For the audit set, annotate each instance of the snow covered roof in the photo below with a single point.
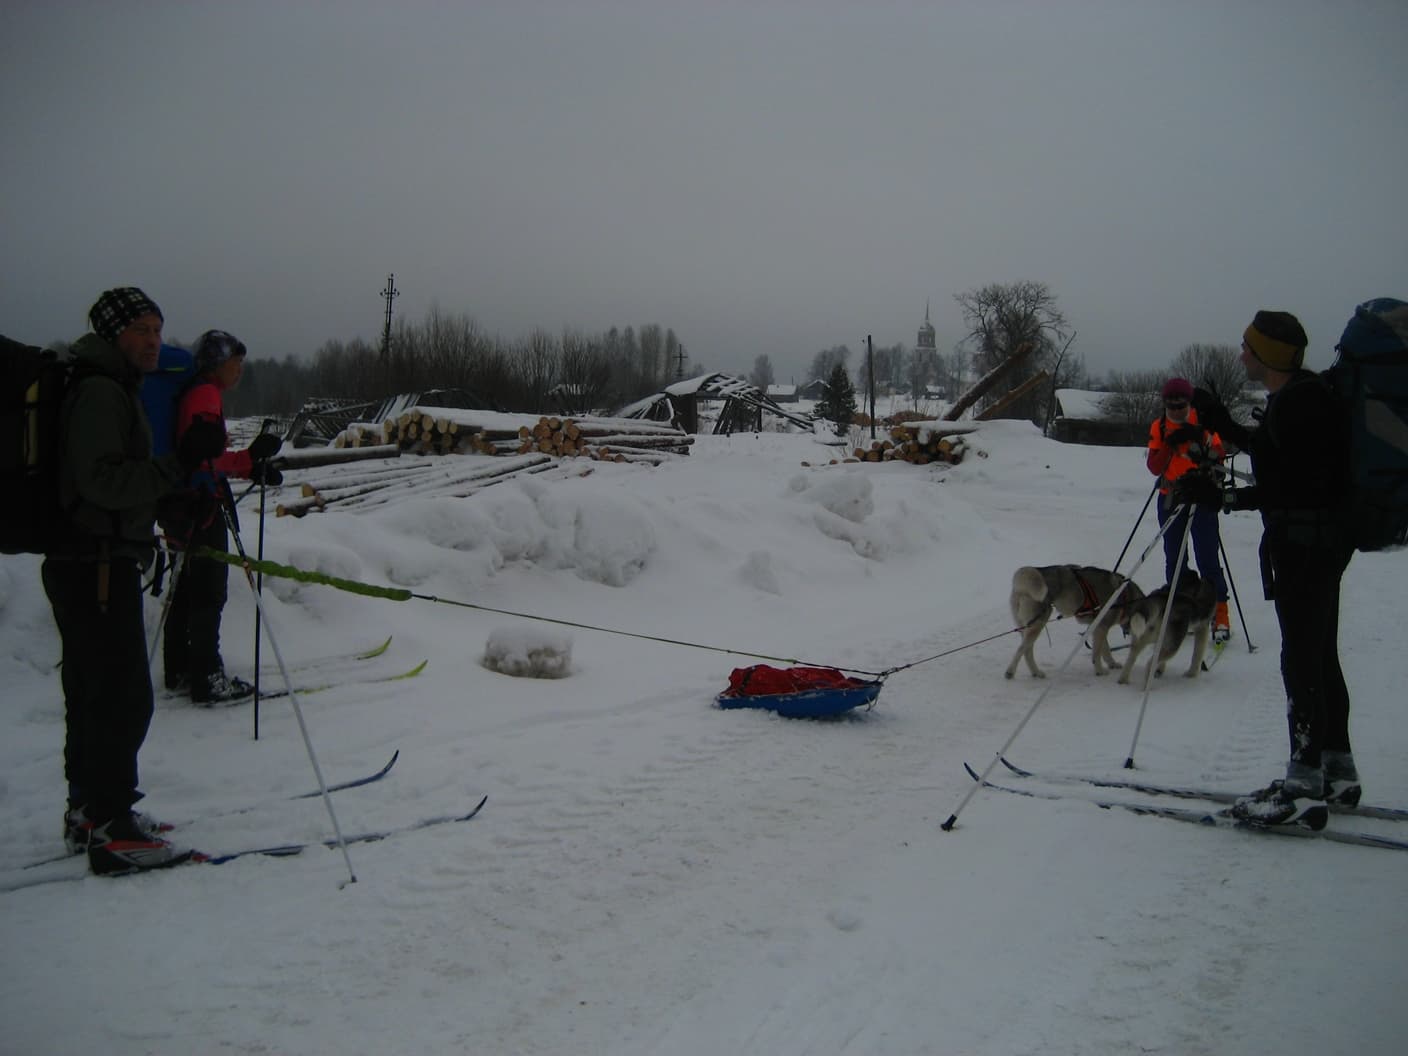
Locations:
(1082, 404)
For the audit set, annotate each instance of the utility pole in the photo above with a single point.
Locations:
(390, 293)
(870, 367)
(679, 364)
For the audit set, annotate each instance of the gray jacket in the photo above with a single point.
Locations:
(108, 481)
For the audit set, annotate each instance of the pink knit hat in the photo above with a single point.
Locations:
(1178, 389)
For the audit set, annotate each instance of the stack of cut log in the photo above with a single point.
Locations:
(604, 439)
(437, 432)
(427, 434)
(350, 487)
(920, 443)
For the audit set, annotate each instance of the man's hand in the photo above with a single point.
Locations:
(263, 473)
(1184, 434)
(264, 447)
(1197, 489)
(202, 441)
(1212, 412)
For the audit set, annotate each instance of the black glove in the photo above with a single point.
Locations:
(263, 473)
(203, 441)
(1197, 489)
(1185, 433)
(1213, 413)
(265, 446)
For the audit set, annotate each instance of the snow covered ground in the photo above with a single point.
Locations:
(655, 875)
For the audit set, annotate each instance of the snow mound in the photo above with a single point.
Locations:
(525, 653)
(602, 538)
(847, 495)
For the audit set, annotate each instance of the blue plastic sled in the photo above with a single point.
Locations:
(806, 704)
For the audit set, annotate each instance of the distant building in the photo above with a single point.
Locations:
(1085, 417)
(926, 334)
(782, 393)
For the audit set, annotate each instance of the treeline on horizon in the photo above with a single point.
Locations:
(576, 372)
(540, 373)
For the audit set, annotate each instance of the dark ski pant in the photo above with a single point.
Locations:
(191, 639)
(1306, 591)
(1204, 543)
(107, 686)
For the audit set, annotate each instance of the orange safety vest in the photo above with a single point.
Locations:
(1174, 458)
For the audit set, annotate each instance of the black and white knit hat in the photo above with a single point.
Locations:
(214, 347)
(117, 309)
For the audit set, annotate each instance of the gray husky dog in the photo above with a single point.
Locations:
(1071, 590)
(1191, 608)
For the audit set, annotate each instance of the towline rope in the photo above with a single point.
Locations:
(371, 590)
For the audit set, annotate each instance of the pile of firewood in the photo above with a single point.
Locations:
(606, 439)
(920, 443)
(437, 431)
(418, 432)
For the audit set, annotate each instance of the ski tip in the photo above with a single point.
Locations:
(948, 825)
(1014, 767)
(376, 650)
(973, 773)
(417, 669)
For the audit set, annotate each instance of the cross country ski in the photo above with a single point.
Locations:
(1212, 818)
(75, 867)
(1361, 810)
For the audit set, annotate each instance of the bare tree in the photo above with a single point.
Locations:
(1001, 317)
(586, 373)
(889, 369)
(1217, 368)
(536, 365)
(653, 367)
(825, 361)
(762, 374)
(1134, 398)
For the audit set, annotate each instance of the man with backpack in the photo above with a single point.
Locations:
(108, 486)
(191, 639)
(1300, 456)
(1179, 444)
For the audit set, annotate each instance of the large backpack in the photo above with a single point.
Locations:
(161, 392)
(32, 384)
(1371, 376)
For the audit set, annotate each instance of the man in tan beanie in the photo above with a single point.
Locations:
(1299, 454)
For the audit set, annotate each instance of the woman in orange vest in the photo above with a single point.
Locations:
(1177, 443)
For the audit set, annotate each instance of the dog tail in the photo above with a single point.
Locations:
(1028, 595)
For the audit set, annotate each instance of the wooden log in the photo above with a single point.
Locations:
(987, 381)
(305, 457)
(298, 507)
(1041, 377)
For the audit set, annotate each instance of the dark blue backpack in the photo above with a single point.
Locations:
(1371, 376)
(161, 392)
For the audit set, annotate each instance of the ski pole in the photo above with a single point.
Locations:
(1232, 585)
(292, 696)
(948, 825)
(1140, 520)
(1231, 475)
(1178, 566)
(177, 567)
(258, 613)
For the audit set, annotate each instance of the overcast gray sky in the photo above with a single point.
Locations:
(763, 177)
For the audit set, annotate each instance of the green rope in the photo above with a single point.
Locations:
(272, 568)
